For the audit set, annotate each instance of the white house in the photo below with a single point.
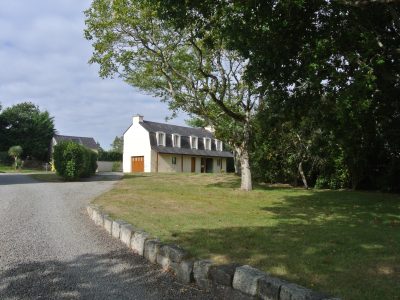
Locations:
(158, 147)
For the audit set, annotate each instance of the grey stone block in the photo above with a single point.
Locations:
(163, 261)
(174, 253)
(246, 279)
(183, 271)
(126, 232)
(137, 241)
(291, 291)
(116, 228)
(95, 212)
(108, 224)
(223, 274)
(269, 287)
(89, 210)
(201, 270)
(98, 217)
(151, 249)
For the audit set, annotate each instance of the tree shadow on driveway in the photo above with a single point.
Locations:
(114, 275)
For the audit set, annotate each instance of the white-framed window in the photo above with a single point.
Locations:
(194, 142)
(160, 138)
(176, 140)
(207, 144)
(218, 145)
(174, 160)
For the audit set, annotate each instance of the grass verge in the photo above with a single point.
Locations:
(47, 177)
(11, 169)
(341, 242)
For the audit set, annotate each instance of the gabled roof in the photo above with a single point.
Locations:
(181, 130)
(88, 142)
(185, 133)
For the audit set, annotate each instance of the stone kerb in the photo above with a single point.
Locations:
(137, 241)
(235, 279)
(116, 228)
(126, 232)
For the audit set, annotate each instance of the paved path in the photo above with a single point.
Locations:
(49, 249)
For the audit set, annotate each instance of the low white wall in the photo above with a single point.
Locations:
(104, 166)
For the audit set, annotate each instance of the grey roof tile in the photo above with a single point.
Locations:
(185, 133)
(88, 142)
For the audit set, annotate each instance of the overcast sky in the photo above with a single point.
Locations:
(43, 59)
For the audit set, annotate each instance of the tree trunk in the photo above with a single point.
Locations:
(303, 177)
(236, 161)
(245, 184)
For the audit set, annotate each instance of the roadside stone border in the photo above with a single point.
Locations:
(237, 281)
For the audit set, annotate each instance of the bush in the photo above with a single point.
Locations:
(73, 161)
(117, 166)
(109, 156)
(5, 159)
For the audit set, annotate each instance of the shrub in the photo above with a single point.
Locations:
(5, 159)
(109, 156)
(73, 161)
(117, 166)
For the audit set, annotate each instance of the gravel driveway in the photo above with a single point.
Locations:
(49, 249)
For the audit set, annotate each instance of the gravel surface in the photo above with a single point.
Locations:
(50, 249)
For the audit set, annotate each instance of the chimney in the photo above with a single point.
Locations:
(137, 119)
(210, 128)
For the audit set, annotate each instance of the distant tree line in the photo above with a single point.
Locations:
(25, 125)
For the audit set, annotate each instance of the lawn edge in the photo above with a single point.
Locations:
(233, 278)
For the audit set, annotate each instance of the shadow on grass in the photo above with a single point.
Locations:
(233, 182)
(113, 275)
(343, 243)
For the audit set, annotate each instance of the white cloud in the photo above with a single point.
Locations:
(43, 59)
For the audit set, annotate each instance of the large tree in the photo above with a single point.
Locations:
(336, 63)
(25, 125)
(191, 67)
(118, 144)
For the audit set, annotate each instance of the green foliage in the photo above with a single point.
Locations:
(5, 158)
(338, 71)
(117, 166)
(118, 144)
(16, 152)
(189, 67)
(24, 124)
(110, 155)
(73, 161)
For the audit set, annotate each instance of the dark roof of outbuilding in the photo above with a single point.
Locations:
(185, 133)
(88, 142)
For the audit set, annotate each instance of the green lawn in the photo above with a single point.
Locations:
(341, 242)
(11, 169)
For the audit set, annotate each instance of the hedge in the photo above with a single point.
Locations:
(73, 161)
(5, 159)
(110, 156)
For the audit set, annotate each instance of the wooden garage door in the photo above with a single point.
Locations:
(137, 164)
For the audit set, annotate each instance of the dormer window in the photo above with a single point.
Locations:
(193, 142)
(176, 140)
(218, 145)
(207, 144)
(160, 138)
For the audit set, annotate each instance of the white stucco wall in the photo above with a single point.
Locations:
(165, 163)
(136, 143)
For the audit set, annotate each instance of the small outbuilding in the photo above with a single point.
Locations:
(88, 142)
